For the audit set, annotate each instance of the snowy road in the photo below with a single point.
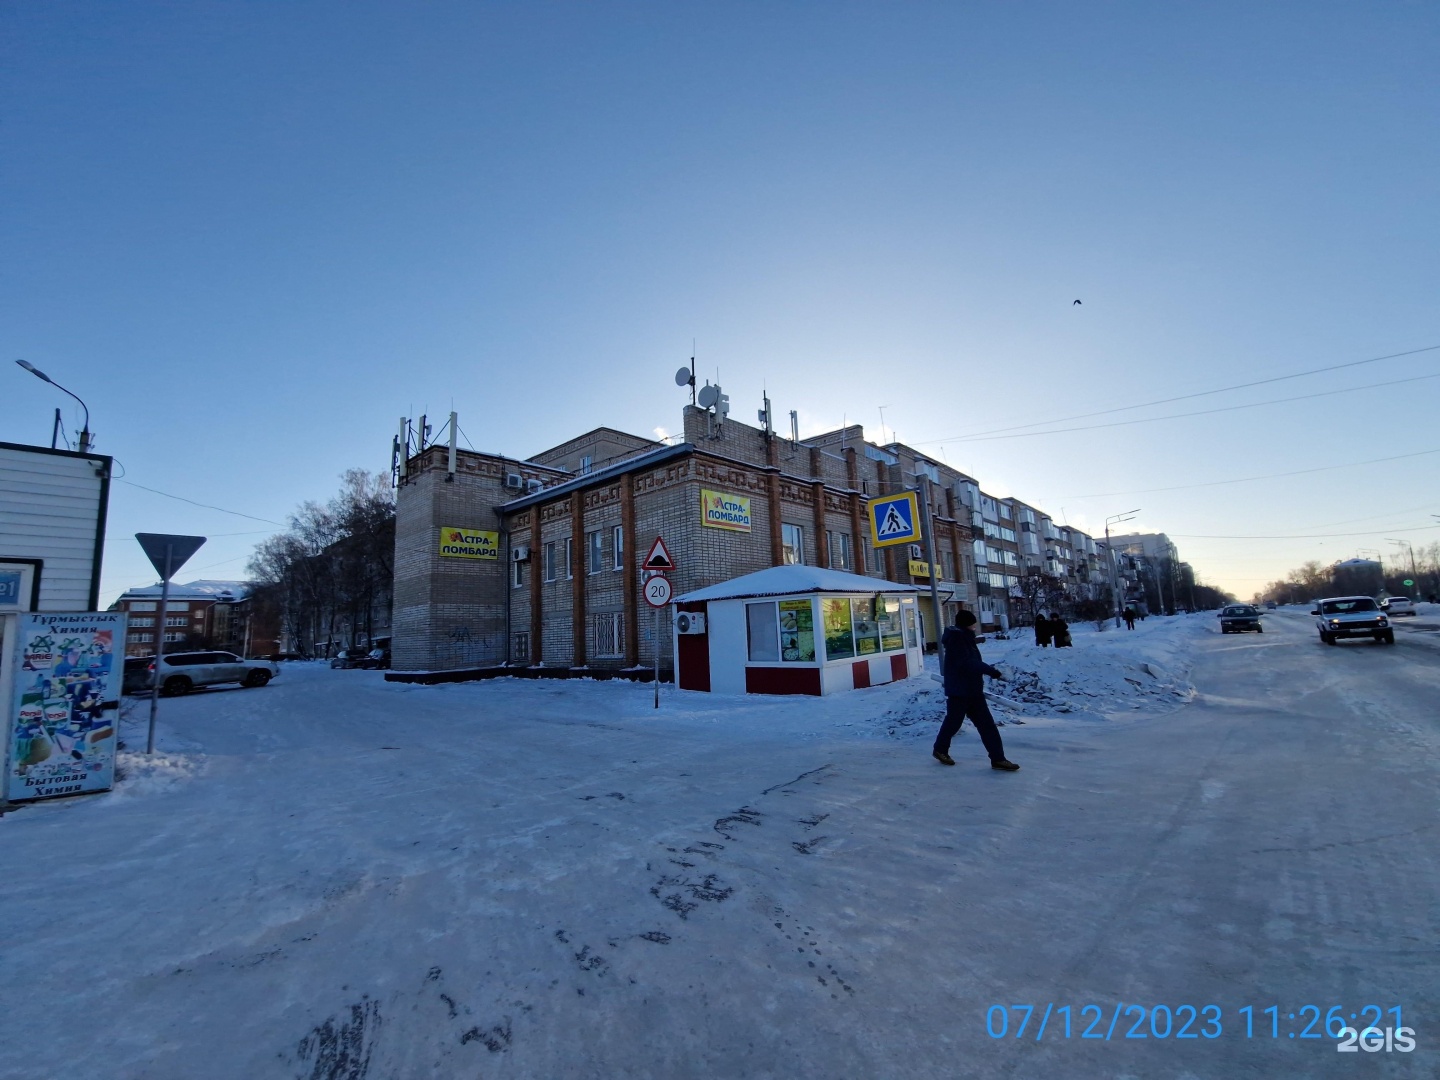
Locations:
(335, 877)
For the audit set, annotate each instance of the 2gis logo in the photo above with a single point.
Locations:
(1373, 1039)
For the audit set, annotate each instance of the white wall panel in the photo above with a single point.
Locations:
(52, 507)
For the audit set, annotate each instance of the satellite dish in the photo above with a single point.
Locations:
(709, 395)
(683, 377)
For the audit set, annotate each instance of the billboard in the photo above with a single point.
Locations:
(722, 510)
(64, 709)
(456, 543)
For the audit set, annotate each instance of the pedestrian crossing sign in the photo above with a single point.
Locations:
(895, 519)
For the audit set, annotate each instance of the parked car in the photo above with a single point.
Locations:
(1351, 616)
(179, 673)
(1398, 605)
(1237, 618)
(1269, 605)
(347, 658)
(376, 658)
(137, 676)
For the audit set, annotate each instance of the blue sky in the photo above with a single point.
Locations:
(252, 236)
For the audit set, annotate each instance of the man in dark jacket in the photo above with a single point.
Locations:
(1044, 630)
(965, 675)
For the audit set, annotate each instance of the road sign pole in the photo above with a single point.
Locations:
(658, 627)
(160, 645)
(929, 536)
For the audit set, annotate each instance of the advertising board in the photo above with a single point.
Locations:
(63, 711)
(456, 543)
(722, 510)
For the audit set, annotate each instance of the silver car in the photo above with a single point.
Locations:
(179, 673)
(1351, 616)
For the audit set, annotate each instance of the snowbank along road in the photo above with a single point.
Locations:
(336, 878)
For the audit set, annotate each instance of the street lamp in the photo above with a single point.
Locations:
(1414, 574)
(85, 431)
(1110, 552)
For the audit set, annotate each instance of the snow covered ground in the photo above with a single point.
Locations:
(336, 878)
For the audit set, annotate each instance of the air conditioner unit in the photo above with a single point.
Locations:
(514, 481)
(519, 554)
(533, 485)
(916, 552)
(690, 622)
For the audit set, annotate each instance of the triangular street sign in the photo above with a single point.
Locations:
(659, 557)
(178, 549)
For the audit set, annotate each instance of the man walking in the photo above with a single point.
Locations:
(965, 675)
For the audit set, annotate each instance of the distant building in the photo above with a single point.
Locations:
(200, 615)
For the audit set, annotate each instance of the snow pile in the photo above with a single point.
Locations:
(139, 773)
(1102, 676)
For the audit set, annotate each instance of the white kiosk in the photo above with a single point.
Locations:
(797, 630)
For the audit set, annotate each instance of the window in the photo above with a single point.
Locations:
(143, 620)
(1005, 511)
(839, 544)
(569, 556)
(609, 638)
(595, 544)
(792, 544)
(1007, 534)
(520, 648)
(1010, 559)
(550, 566)
(142, 605)
(867, 633)
(947, 563)
(517, 573)
(762, 630)
(887, 611)
(879, 555)
(617, 546)
(176, 620)
(142, 639)
(839, 628)
(171, 636)
(586, 464)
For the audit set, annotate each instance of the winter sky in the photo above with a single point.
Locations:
(252, 236)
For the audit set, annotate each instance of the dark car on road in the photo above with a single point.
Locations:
(1237, 618)
(137, 676)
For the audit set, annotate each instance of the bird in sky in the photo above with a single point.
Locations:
(1077, 301)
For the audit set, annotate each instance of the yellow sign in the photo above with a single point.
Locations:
(468, 543)
(921, 568)
(721, 510)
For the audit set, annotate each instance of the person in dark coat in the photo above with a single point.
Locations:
(965, 675)
(1061, 629)
(1044, 630)
(1129, 618)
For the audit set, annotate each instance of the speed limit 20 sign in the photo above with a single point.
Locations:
(657, 591)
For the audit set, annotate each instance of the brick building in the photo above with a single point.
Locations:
(537, 561)
(200, 615)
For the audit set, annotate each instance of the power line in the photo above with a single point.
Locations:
(1198, 412)
(1187, 397)
(192, 502)
(1248, 479)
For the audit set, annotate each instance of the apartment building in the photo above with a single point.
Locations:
(201, 615)
(538, 561)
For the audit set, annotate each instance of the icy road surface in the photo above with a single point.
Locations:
(339, 878)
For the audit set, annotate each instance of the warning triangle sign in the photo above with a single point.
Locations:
(894, 523)
(659, 557)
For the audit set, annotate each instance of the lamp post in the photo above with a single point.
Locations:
(1414, 574)
(85, 431)
(1110, 555)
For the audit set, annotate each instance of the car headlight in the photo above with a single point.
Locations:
(1383, 621)
(1334, 622)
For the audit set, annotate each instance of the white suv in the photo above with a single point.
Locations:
(1351, 616)
(179, 673)
(1398, 605)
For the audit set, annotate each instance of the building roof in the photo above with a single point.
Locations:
(204, 589)
(640, 460)
(785, 580)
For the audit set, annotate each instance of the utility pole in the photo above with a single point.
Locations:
(922, 482)
(1110, 553)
